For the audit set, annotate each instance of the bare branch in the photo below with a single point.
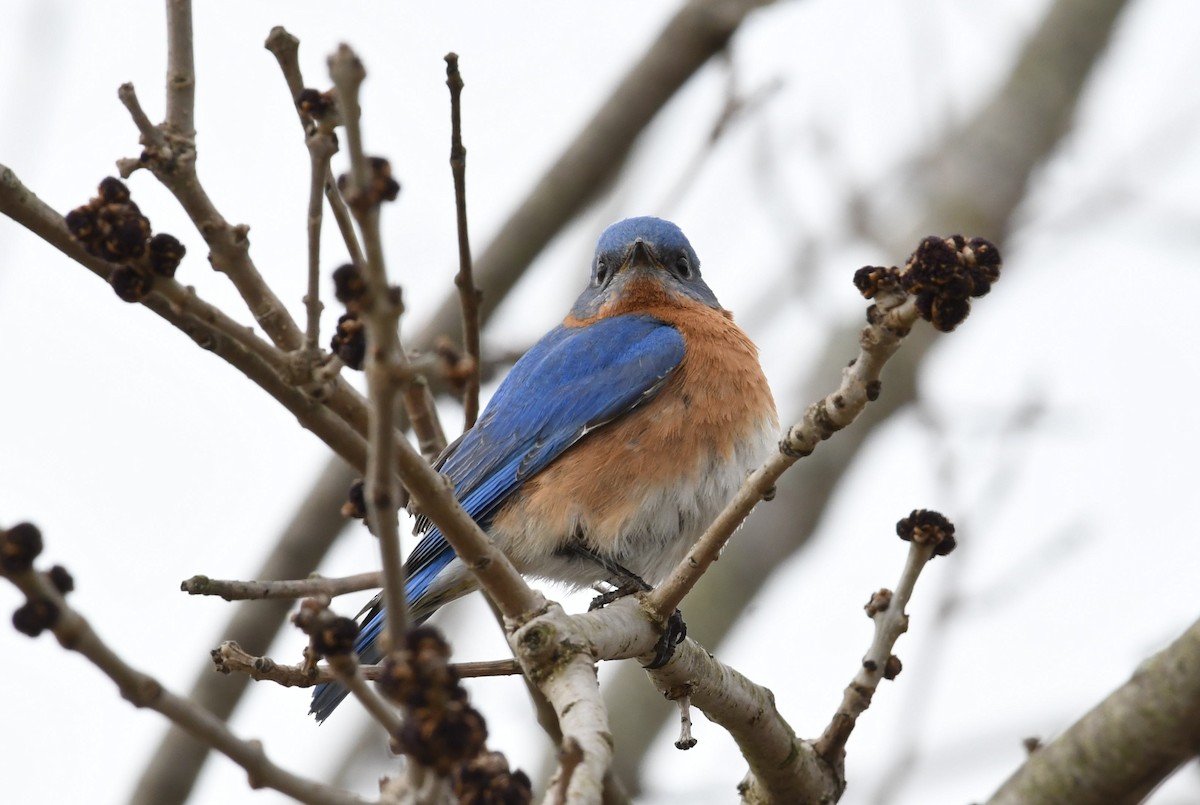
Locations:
(337, 422)
(321, 148)
(1126, 745)
(74, 633)
(464, 280)
(383, 348)
(886, 609)
(170, 773)
(333, 637)
(286, 49)
(231, 658)
(301, 588)
(171, 155)
(181, 71)
(553, 653)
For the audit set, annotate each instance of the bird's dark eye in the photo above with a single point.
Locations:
(683, 267)
(601, 271)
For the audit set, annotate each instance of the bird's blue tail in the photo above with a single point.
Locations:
(328, 695)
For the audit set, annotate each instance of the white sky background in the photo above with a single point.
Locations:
(145, 460)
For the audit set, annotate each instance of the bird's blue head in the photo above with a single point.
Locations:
(643, 247)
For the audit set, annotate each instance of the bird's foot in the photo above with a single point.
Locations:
(604, 599)
(672, 636)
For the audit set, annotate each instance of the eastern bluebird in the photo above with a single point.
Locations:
(611, 444)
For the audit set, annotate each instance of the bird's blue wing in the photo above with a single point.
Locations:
(571, 382)
(574, 380)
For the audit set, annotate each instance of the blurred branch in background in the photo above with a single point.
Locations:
(1000, 146)
(1126, 745)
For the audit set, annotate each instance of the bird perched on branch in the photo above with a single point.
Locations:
(611, 444)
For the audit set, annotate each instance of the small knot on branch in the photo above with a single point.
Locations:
(879, 602)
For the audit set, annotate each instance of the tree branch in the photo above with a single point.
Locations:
(1127, 744)
(76, 634)
(383, 348)
(301, 588)
(464, 280)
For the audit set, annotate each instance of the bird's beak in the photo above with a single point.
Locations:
(640, 254)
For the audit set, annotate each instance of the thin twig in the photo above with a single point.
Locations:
(171, 156)
(301, 588)
(339, 422)
(685, 741)
(286, 49)
(348, 672)
(886, 609)
(464, 280)
(332, 636)
(231, 658)
(150, 133)
(141, 690)
(181, 71)
(381, 316)
(321, 148)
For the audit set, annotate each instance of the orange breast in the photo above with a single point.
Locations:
(681, 455)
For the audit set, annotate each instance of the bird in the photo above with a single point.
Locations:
(611, 444)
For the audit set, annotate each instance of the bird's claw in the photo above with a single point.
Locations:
(672, 636)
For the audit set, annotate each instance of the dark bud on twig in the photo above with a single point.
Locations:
(113, 191)
(879, 602)
(356, 502)
(130, 284)
(165, 254)
(111, 227)
(871, 280)
(944, 274)
(349, 341)
(348, 284)
(123, 230)
(422, 675)
(383, 185)
(892, 668)
(19, 546)
(927, 527)
(335, 636)
(81, 223)
(34, 617)
(486, 779)
(380, 187)
(443, 738)
(61, 579)
(314, 103)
